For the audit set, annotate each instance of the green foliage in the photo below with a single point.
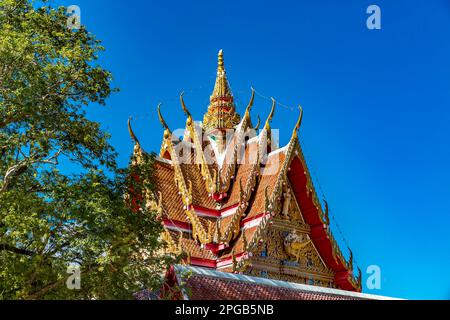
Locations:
(50, 220)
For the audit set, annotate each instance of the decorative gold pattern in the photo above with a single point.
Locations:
(137, 150)
(229, 168)
(211, 185)
(290, 254)
(198, 230)
(294, 245)
(234, 227)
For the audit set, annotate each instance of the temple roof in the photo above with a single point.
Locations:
(216, 205)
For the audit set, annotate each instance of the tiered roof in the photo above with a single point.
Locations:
(221, 186)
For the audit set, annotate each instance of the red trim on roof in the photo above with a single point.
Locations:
(319, 234)
(213, 212)
(215, 247)
(245, 222)
(177, 224)
(203, 262)
(229, 260)
(170, 287)
(209, 263)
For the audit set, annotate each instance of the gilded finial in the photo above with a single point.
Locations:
(250, 104)
(258, 124)
(269, 118)
(299, 121)
(161, 119)
(183, 105)
(350, 259)
(167, 131)
(220, 61)
(130, 131)
(359, 278)
(327, 217)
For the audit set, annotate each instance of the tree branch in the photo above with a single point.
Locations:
(7, 247)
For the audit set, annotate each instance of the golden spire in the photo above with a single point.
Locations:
(220, 66)
(221, 112)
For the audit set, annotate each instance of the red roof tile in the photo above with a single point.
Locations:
(206, 284)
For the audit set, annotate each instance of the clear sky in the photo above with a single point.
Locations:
(376, 129)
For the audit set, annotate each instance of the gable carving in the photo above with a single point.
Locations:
(290, 252)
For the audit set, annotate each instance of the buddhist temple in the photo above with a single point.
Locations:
(234, 202)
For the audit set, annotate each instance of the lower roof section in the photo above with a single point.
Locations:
(207, 284)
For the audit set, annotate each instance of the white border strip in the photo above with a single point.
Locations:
(174, 227)
(225, 213)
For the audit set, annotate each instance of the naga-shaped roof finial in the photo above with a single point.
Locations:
(326, 214)
(185, 109)
(183, 105)
(299, 122)
(167, 131)
(270, 117)
(130, 131)
(257, 124)
(350, 259)
(250, 104)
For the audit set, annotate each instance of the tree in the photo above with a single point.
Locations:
(50, 220)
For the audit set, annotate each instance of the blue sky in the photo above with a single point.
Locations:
(376, 129)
